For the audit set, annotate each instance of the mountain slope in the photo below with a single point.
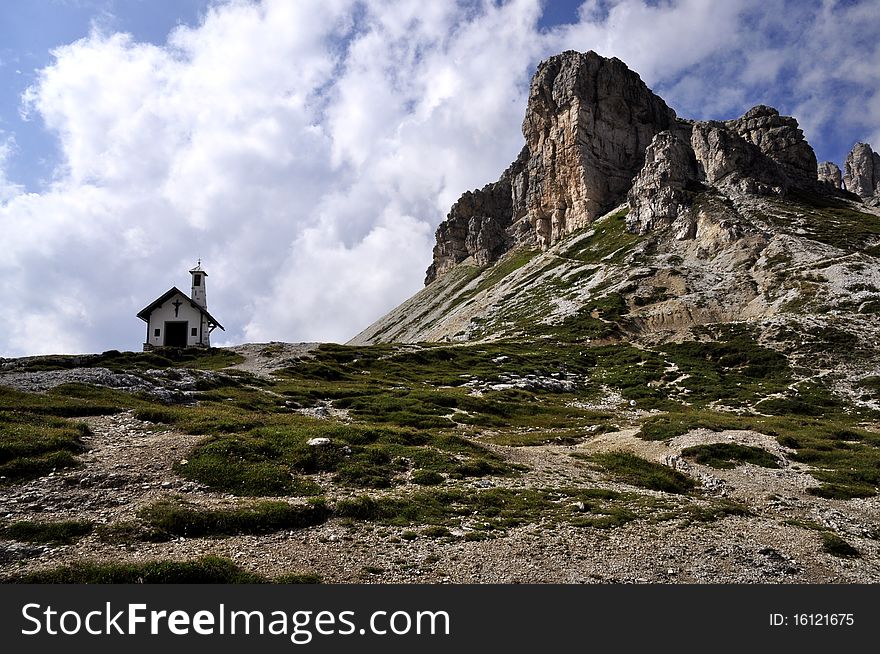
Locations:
(720, 222)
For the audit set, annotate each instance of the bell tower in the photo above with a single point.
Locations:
(198, 286)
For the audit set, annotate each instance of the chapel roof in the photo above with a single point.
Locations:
(144, 314)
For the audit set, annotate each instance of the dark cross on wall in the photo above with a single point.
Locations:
(177, 304)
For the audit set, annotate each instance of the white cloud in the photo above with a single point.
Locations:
(657, 40)
(307, 150)
(8, 189)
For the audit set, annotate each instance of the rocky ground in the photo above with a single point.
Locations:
(263, 358)
(128, 465)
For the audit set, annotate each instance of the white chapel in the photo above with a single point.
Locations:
(175, 320)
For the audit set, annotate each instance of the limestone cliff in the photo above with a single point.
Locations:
(761, 153)
(588, 123)
(595, 135)
(862, 173)
(829, 173)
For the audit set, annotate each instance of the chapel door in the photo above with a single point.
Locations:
(175, 333)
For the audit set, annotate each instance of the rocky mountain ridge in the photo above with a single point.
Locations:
(590, 126)
(678, 223)
(587, 125)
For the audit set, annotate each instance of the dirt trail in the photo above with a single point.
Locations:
(264, 358)
(128, 464)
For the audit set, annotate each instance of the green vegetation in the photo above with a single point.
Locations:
(845, 458)
(276, 459)
(32, 445)
(418, 421)
(598, 319)
(714, 511)
(490, 512)
(436, 531)
(607, 241)
(828, 220)
(507, 265)
(836, 546)
(634, 470)
(529, 436)
(734, 369)
(65, 401)
(414, 412)
(163, 357)
(175, 517)
(728, 455)
(53, 533)
(205, 570)
(427, 478)
(670, 425)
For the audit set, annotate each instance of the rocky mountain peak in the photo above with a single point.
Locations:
(862, 173)
(596, 136)
(829, 173)
(761, 153)
(588, 123)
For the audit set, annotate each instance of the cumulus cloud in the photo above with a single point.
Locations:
(8, 189)
(307, 150)
(818, 61)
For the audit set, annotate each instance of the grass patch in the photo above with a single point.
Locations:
(493, 275)
(205, 570)
(32, 445)
(164, 357)
(178, 518)
(835, 546)
(728, 455)
(436, 531)
(716, 510)
(529, 437)
(276, 459)
(53, 533)
(635, 470)
(667, 426)
(485, 513)
(597, 319)
(828, 220)
(69, 401)
(845, 459)
(735, 368)
(427, 478)
(607, 241)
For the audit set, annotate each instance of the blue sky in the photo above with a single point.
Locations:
(307, 150)
(31, 29)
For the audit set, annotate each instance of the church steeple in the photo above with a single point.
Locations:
(198, 286)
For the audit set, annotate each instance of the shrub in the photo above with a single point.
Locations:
(436, 531)
(427, 478)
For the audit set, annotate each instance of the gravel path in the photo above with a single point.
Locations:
(264, 358)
